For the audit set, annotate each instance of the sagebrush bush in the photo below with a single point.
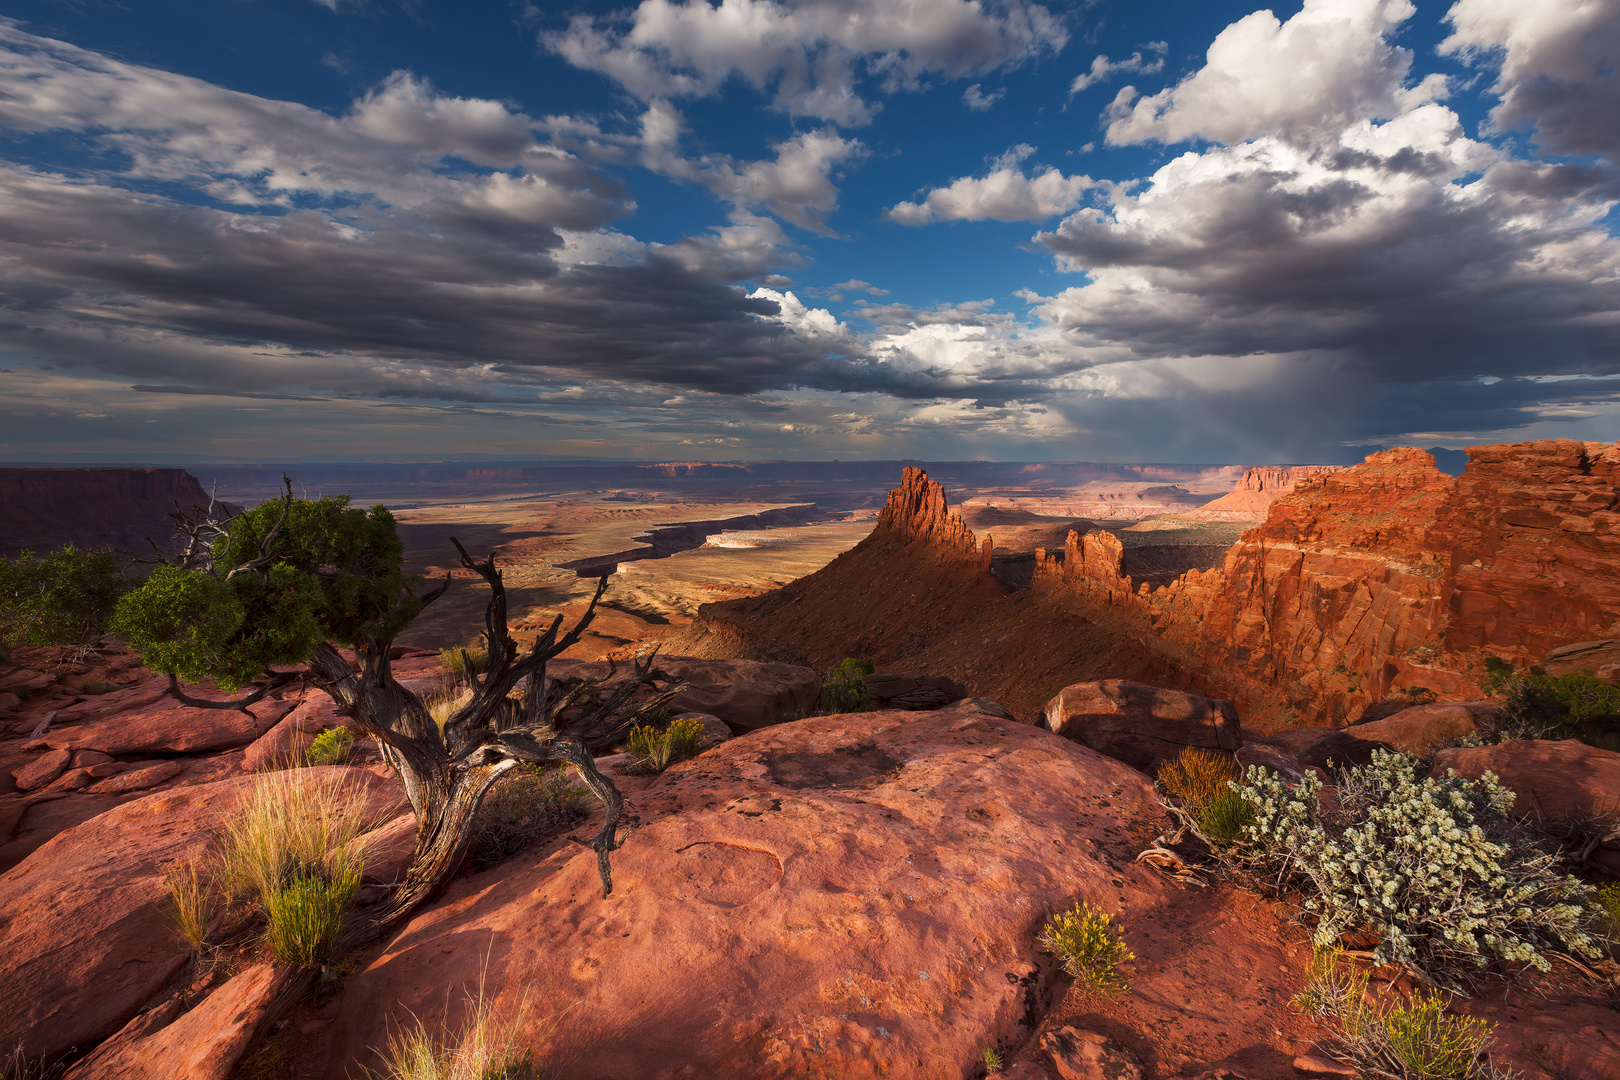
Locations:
(1436, 868)
(656, 750)
(845, 690)
(1086, 940)
(526, 805)
(330, 747)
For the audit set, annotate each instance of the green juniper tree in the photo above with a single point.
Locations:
(273, 594)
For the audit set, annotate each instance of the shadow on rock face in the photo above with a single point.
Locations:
(862, 765)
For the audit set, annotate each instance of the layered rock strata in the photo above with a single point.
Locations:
(1251, 497)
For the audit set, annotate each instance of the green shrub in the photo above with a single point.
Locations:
(65, 598)
(845, 690)
(656, 750)
(526, 805)
(1225, 817)
(330, 747)
(305, 915)
(1085, 939)
(1437, 869)
(993, 1060)
(1547, 707)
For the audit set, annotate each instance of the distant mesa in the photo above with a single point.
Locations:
(42, 509)
(1252, 496)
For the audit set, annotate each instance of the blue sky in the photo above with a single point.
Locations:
(283, 230)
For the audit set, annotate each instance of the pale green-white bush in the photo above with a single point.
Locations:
(1436, 868)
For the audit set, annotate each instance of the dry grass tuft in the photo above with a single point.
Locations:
(191, 904)
(485, 1049)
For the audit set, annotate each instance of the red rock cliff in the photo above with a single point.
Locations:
(1366, 581)
(43, 509)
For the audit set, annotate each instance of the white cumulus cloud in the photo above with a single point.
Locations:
(1005, 193)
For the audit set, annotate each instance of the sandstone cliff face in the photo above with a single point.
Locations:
(43, 509)
(1251, 497)
(1391, 574)
(1534, 557)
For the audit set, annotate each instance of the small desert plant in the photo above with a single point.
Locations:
(1331, 987)
(656, 750)
(845, 690)
(1202, 779)
(1437, 868)
(484, 1049)
(191, 904)
(330, 747)
(461, 661)
(1085, 939)
(1606, 901)
(993, 1061)
(530, 803)
(305, 915)
(1419, 1041)
(289, 823)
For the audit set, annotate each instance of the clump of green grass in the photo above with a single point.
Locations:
(526, 805)
(305, 915)
(330, 747)
(656, 750)
(993, 1061)
(845, 690)
(191, 905)
(1088, 943)
(1203, 780)
(461, 661)
(486, 1048)
(291, 850)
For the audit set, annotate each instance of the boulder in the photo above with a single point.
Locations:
(905, 692)
(9, 702)
(1141, 725)
(203, 1044)
(174, 729)
(1601, 658)
(1294, 750)
(1423, 729)
(85, 947)
(1553, 781)
(388, 850)
(861, 892)
(284, 744)
(42, 770)
(746, 694)
(139, 696)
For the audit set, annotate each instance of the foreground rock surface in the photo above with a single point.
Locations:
(861, 892)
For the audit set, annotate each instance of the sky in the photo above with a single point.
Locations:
(1100, 230)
